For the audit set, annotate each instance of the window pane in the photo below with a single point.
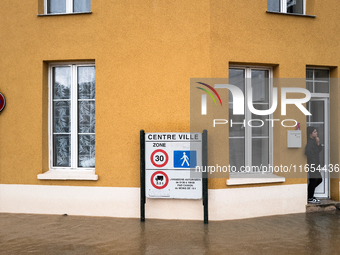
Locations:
(309, 86)
(236, 152)
(321, 75)
(236, 77)
(320, 78)
(62, 150)
(273, 5)
(61, 82)
(86, 117)
(81, 5)
(317, 110)
(86, 148)
(256, 129)
(86, 82)
(237, 129)
(56, 6)
(295, 6)
(62, 117)
(309, 74)
(260, 152)
(260, 86)
(321, 87)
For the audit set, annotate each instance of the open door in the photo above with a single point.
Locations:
(319, 108)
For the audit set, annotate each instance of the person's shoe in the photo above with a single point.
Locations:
(313, 201)
(318, 200)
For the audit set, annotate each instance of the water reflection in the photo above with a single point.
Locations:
(315, 233)
(323, 233)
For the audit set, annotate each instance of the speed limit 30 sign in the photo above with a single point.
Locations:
(159, 158)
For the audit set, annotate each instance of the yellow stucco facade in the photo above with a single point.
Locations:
(145, 53)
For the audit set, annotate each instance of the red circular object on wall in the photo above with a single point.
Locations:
(2, 102)
(166, 180)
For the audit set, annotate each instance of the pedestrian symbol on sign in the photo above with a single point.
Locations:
(184, 159)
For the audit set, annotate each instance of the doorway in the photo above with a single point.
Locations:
(319, 108)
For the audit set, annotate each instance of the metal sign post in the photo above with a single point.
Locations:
(205, 174)
(142, 175)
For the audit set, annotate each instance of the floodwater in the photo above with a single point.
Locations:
(313, 233)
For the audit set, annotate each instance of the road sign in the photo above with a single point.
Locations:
(170, 164)
(159, 180)
(167, 167)
(2, 102)
(184, 159)
(159, 158)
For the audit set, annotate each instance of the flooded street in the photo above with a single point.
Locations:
(313, 233)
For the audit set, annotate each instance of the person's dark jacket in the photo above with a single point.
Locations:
(312, 152)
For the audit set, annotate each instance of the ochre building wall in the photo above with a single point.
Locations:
(145, 53)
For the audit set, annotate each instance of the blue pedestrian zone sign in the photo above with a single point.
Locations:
(185, 159)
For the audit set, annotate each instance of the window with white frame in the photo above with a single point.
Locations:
(287, 6)
(250, 136)
(67, 6)
(72, 116)
(317, 80)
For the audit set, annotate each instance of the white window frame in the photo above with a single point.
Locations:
(69, 7)
(253, 178)
(314, 94)
(74, 172)
(283, 7)
(324, 97)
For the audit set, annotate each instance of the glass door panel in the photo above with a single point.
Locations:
(318, 107)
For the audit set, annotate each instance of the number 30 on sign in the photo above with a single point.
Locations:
(159, 158)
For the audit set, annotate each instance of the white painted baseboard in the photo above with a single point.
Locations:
(224, 204)
(242, 203)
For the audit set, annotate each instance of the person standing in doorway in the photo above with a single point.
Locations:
(312, 151)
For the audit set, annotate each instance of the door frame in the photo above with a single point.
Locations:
(326, 148)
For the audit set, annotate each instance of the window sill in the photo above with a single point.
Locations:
(244, 179)
(62, 14)
(81, 175)
(292, 14)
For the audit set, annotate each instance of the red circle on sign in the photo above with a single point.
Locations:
(166, 158)
(166, 179)
(2, 102)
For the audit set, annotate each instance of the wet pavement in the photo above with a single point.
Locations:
(312, 233)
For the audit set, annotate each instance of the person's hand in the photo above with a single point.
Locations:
(317, 140)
